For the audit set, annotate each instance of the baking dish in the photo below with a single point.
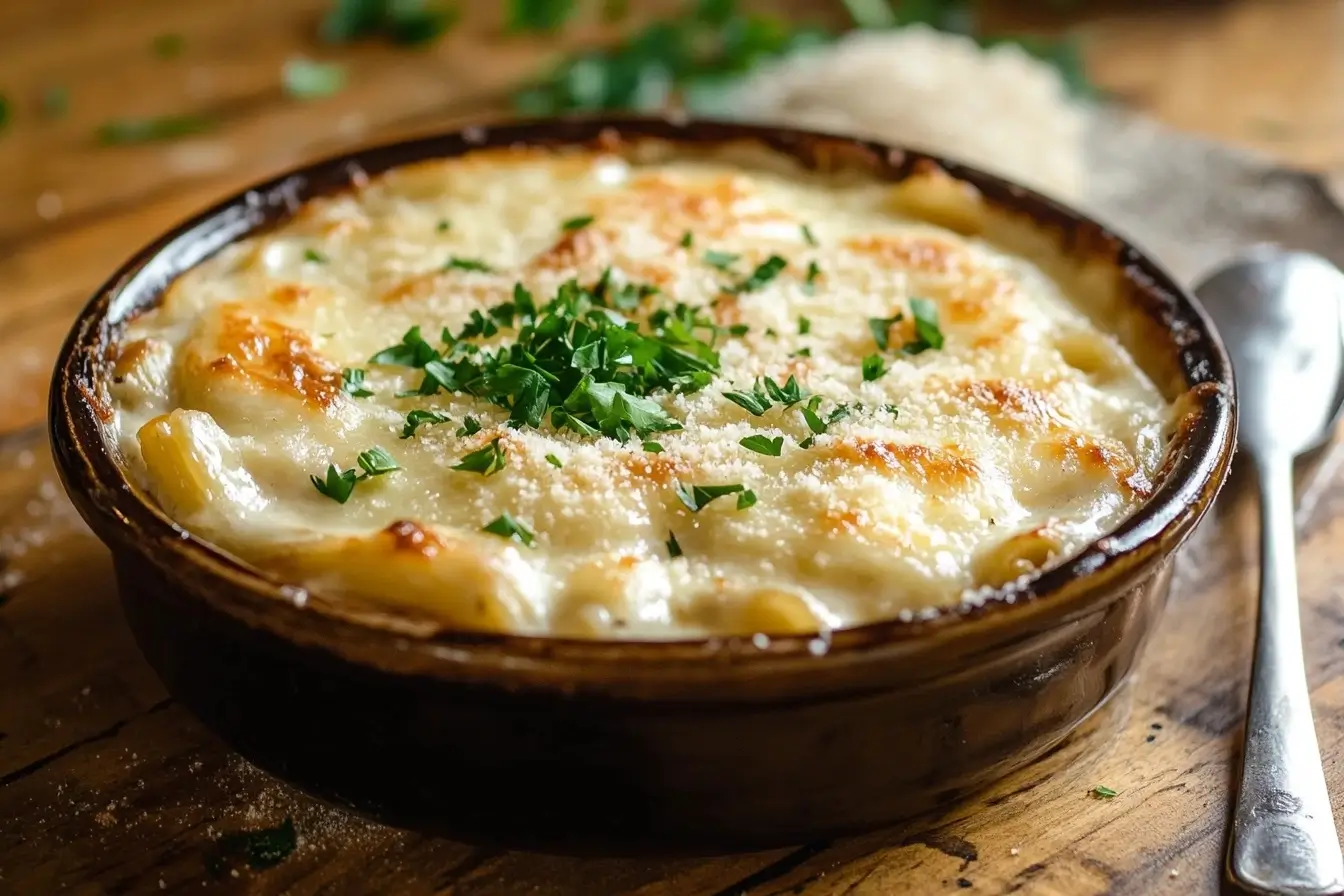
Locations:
(617, 746)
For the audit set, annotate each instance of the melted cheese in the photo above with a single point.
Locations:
(1028, 434)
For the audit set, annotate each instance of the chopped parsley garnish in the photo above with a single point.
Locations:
(687, 240)
(1103, 792)
(352, 383)
(753, 402)
(804, 326)
(720, 260)
(577, 362)
(810, 281)
(673, 548)
(314, 256)
(804, 352)
(167, 46)
(739, 330)
(376, 462)
(470, 426)
(880, 327)
(305, 79)
(443, 226)
(759, 399)
(892, 410)
(770, 331)
(764, 445)
(873, 368)
(487, 461)
(653, 447)
(696, 497)
(4, 111)
(400, 21)
(927, 332)
(746, 499)
(418, 418)
(467, 264)
(815, 422)
(554, 461)
(412, 351)
(126, 131)
(260, 850)
(508, 527)
(808, 236)
(340, 484)
(764, 273)
(538, 15)
(577, 223)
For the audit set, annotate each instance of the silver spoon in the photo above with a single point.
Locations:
(1279, 313)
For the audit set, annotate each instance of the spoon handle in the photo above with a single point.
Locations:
(1283, 834)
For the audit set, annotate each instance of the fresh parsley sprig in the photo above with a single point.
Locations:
(340, 484)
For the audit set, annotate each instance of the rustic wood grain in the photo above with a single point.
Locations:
(106, 786)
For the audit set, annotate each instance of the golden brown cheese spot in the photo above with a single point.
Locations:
(922, 254)
(419, 287)
(576, 249)
(1099, 456)
(837, 521)
(272, 356)
(289, 295)
(939, 466)
(653, 469)
(129, 356)
(712, 208)
(409, 537)
(1012, 404)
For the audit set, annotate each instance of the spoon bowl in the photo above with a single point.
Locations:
(1279, 314)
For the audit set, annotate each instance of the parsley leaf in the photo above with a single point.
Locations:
(412, 351)
(467, 264)
(808, 236)
(338, 485)
(400, 21)
(696, 497)
(752, 402)
(314, 256)
(470, 426)
(673, 548)
(577, 223)
(1103, 792)
(739, 330)
(764, 273)
(418, 418)
(764, 445)
(880, 327)
(487, 461)
(376, 462)
(554, 461)
(746, 499)
(653, 447)
(352, 383)
(687, 240)
(789, 394)
(720, 260)
(538, 15)
(892, 410)
(927, 332)
(804, 326)
(261, 849)
(814, 420)
(127, 131)
(810, 281)
(508, 527)
(443, 226)
(305, 79)
(873, 368)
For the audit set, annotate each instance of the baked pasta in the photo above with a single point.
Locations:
(642, 394)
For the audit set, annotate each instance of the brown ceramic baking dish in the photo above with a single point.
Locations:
(701, 746)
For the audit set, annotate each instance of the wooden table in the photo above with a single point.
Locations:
(107, 786)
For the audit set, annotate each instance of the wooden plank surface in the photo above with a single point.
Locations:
(106, 786)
